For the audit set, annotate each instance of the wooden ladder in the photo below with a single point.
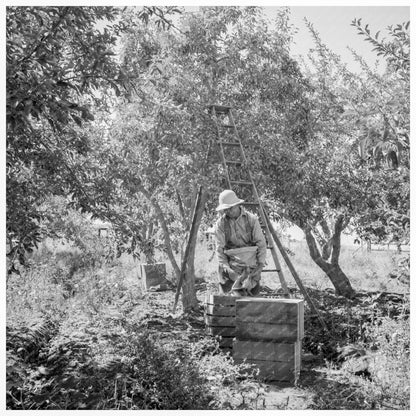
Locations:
(240, 179)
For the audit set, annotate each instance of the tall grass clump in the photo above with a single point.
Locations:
(117, 364)
(141, 375)
(378, 375)
(38, 291)
(389, 365)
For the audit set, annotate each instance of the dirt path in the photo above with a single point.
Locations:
(156, 314)
(323, 381)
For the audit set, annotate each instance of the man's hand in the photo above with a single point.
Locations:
(256, 272)
(231, 273)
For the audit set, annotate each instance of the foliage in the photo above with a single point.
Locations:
(53, 73)
(141, 376)
(77, 351)
(390, 386)
(50, 56)
(32, 294)
(102, 354)
(375, 329)
(61, 68)
(384, 119)
(396, 51)
(77, 229)
(329, 145)
(160, 148)
(347, 117)
(292, 125)
(300, 153)
(386, 212)
(232, 386)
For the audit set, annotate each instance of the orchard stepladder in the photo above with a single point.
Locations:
(240, 179)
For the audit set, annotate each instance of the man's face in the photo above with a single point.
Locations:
(233, 212)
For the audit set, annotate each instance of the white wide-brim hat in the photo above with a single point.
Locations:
(228, 199)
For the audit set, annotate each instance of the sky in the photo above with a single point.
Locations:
(334, 26)
(333, 23)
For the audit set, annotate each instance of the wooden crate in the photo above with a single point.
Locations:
(220, 319)
(267, 351)
(274, 370)
(153, 275)
(275, 361)
(220, 300)
(269, 319)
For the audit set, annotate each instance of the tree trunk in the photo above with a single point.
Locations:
(166, 234)
(327, 246)
(189, 299)
(332, 269)
(339, 279)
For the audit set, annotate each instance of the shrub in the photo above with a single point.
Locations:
(231, 386)
(389, 366)
(36, 292)
(141, 375)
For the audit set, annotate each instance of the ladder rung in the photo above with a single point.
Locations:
(270, 270)
(227, 126)
(242, 183)
(234, 162)
(231, 143)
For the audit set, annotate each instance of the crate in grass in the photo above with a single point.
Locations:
(269, 319)
(275, 361)
(153, 276)
(220, 319)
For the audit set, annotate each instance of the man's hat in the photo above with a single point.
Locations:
(228, 199)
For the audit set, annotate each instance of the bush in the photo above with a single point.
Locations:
(36, 292)
(390, 364)
(142, 375)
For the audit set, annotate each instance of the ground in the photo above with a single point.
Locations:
(324, 354)
(84, 333)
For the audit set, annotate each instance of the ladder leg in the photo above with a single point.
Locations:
(294, 273)
(276, 260)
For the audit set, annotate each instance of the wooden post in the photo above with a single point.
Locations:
(188, 246)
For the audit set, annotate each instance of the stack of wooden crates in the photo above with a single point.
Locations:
(261, 331)
(220, 319)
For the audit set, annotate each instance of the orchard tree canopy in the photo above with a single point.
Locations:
(115, 116)
(60, 66)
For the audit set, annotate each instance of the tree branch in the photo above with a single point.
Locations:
(166, 234)
(336, 239)
(43, 39)
(313, 248)
(163, 18)
(182, 210)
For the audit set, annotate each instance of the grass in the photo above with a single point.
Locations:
(82, 339)
(367, 271)
(75, 323)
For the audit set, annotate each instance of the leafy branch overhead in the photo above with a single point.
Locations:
(61, 67)
(396, 51)
(108, 107)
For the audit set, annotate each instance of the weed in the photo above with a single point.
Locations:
(97, 356)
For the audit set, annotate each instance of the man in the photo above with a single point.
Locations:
(241, 247)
